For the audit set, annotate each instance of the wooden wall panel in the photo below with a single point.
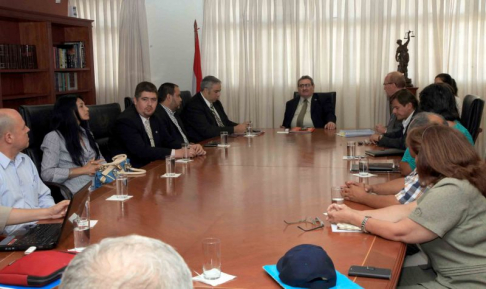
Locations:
(43, 6)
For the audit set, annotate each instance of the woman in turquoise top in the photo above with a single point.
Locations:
(437, 98)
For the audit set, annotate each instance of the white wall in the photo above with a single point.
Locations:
(171, 38)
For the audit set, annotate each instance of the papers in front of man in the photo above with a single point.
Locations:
(355, 132)
(302, 129)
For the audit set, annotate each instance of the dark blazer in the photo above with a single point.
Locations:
(200, 122)
(129, 137)
(396, 138)
(322, 111)
(171, 137)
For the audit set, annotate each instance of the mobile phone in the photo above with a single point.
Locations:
(211, 144)
(368, 271)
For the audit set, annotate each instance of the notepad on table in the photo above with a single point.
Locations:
(355, 132)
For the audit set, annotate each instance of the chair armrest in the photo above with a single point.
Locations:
(59, 192)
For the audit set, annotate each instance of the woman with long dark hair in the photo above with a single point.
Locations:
(447, 221)
(70, 154)
(446, 78)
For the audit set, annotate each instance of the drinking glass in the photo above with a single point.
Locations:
(82, 228)
(363, 166)
(336, 197)
(212, 258)
(351, 149)
(121, 186)
(224, 138)
(170, 166)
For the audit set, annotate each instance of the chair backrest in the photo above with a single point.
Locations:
(38, 119)
(128, 102)
(186, 96)
(472, 112)
(331, 95)
(102, 118)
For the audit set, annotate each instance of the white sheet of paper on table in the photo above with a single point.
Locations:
(350, 229)
(173, 176)
(222, 279)
(366, 176)
(118, 199)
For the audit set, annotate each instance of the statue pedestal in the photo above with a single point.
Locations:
(413, 90)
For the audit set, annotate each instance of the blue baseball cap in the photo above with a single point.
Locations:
(307, 266)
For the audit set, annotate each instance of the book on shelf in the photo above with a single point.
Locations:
(302, 129)
(355, 132)
(69, 55)
(66, 81)
(18, 56)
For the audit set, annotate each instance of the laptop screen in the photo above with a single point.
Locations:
(76, 208)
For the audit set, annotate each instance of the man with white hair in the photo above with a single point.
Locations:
(127, 262)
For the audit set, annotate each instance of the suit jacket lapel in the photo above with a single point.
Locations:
(293, 106)
(208, 111)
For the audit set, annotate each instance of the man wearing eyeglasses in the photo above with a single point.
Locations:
(393, 83)
(310, 109)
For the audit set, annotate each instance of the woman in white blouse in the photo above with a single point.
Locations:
(70, 154)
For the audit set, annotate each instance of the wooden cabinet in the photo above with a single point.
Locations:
(45, 31)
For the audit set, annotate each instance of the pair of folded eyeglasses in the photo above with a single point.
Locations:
(318, 223)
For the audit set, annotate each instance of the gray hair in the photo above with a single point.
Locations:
(209, 81)
(6, 121)
(127, 262)
(423, 118)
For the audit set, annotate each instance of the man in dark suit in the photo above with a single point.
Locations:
(309, 110)
(404, 105)
(137, 134)
(172, 128)
(204, 116)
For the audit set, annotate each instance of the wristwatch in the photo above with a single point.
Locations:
(363, 224)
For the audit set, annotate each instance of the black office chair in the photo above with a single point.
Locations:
(128, 102)
(331, 95)
(472, 112)
(38, 119)
(102, 118)
(186, 96)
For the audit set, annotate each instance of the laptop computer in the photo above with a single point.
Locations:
(47, 236)
(378, 168)
(385, 152)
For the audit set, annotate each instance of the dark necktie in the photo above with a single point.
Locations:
(300, 118)
(218, 120)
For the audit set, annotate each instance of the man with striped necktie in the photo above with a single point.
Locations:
(204, 116)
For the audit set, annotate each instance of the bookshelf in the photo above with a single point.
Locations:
(47, 32)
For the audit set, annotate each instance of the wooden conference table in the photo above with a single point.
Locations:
(242, 195)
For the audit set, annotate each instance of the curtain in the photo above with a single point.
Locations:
(259, 49)
(134, 47)
(105, 45)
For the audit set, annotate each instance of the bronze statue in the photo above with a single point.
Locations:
(402, 57)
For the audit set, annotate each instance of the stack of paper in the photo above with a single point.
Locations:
(356, 132)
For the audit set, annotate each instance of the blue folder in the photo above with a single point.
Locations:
(48, 286)
(342, 281)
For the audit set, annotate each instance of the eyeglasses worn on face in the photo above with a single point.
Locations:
(387, 83)
(305, 85)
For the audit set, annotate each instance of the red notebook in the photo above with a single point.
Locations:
(36, 269)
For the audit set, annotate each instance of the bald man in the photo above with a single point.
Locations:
(20, 184)
(393, 83)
